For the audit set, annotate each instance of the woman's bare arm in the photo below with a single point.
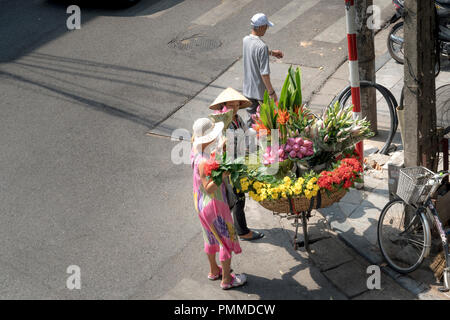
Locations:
(208, 185)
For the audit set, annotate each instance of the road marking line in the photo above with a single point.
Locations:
(289, 13)
(337, 32)
(221, 12)
(334, 33)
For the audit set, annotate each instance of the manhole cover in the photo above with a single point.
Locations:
(195, 43)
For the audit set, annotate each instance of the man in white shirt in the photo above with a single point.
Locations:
(256, 64)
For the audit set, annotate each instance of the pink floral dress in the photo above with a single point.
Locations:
(218, 227)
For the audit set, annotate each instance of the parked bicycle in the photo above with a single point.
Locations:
(404, 226)
(395, 40)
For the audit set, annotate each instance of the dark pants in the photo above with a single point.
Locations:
(252, 110)
(239, 215)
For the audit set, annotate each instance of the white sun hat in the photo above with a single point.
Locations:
(260, 19)
(229, 94)
(205, 130)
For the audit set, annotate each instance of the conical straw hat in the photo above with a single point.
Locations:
(229, 94)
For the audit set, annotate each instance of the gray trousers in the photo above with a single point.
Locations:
(252, 110)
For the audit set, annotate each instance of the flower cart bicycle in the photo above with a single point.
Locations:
(301, 206)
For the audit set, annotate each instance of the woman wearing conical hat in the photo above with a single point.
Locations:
(232, 99)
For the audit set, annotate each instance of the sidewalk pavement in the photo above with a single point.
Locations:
(334, 269)
(355, 217)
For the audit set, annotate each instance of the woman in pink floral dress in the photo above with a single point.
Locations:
(211, 205)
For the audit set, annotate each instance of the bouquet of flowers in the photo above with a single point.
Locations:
(214, 169)
(224, 115)
(344, 175)
(337, 131)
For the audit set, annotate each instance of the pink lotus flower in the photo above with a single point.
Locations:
(307, 143)
(223, 110)
(303, 150)
(291, 141)
(299, 141)
(292, 154)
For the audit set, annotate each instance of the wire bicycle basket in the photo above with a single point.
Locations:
(412, 184)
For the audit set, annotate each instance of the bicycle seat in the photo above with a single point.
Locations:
(444, 33)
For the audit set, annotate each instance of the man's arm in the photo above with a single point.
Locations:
(265, 72)
(276, 53)
(268, 84)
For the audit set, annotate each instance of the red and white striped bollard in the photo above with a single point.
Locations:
(350, 13)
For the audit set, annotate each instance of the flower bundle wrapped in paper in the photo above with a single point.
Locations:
(224, 115)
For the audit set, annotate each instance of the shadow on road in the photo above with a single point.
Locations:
(27, 25)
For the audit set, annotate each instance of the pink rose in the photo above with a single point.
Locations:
(292, 154)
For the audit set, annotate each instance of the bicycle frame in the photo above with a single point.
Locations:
(431, 209)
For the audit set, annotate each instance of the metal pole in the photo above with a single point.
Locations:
(350, 13)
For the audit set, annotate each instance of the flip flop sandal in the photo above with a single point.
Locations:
(255, 236)
(214, 277)
(237, 280)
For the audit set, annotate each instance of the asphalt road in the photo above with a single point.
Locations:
(80, 182)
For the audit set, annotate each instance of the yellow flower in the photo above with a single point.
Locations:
(313, 180)
(308, 194)
(287, 180)
(316, 187)
(283, 194)
(244, 181)
(300, 181)
(257, 185)
(275, 196)
(297, 190)
(314, 193)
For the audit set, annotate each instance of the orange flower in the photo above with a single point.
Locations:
(258, 126)
(283, 117)
(298, 110)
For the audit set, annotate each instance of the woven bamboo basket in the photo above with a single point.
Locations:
(302, 203)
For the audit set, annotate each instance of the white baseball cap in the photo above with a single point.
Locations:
(260, 19)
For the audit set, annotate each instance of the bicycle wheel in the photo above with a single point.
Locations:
(446, 280)
(395, 42)
(403, 236)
